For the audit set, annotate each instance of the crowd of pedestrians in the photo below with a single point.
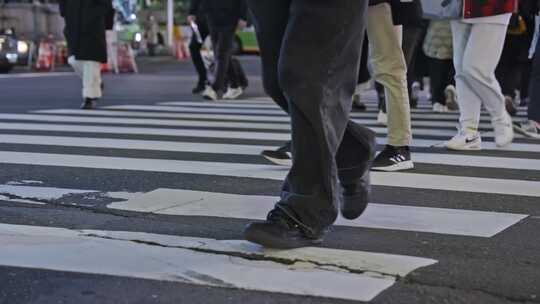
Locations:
(485, 54)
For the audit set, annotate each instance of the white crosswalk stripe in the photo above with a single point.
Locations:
(224, 133)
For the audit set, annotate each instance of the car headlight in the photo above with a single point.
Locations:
(12, 57)
(22, 47)
(138, 37)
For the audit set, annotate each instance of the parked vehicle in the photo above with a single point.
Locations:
(8, 51)
(12, 51)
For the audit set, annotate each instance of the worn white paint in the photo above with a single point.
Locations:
(22, 201)
(407, 180)
(377, 216)
(176, 260)
(42, 193)
(157, 145)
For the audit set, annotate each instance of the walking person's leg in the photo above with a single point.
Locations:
(196, 56)
(470, 104)
(318, 83)
(222, 40)
(531, 128)
(237, 80)
(390, 70)
(479, 73)
(91, 83)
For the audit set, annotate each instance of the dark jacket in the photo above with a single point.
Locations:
(403, 12)
(86, 22)
(222, 12)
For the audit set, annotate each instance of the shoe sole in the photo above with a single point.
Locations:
(519, 130)
(406, 165)
(280, 162)
(268, 241)
(464, 148)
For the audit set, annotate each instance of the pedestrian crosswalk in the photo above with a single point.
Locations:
(172, 137)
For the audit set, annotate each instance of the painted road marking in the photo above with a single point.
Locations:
(157, 145)
(189, 123)
(180, 259)
(405, 180)
(359, 117)
(377, 216)
(217, 134)
(277, 111)
(231, 117)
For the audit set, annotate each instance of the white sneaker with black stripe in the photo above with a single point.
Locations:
(465, 140)
(393, 159)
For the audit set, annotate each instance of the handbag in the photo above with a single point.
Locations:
(443, 9)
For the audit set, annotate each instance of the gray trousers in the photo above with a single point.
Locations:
(310, 51)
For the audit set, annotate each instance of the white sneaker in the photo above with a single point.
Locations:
(504, 132)
(209, 94)
(530, 129)
(439, 108)
(382, 118)
(233, 93)
(465, 140)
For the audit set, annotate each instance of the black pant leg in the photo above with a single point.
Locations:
(363, 74)
(270, 20)
(319, 83)
(222, 38)
(441, 74)
(534, 93)
(195, 50)
(238, 78)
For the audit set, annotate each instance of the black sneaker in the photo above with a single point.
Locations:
(199, 88)
(393, 159)
(281, 156)
(89, 104)
(282, 230)
(355, 197)
(355, 183)
(358, 104)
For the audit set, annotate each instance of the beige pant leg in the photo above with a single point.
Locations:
(390, 70)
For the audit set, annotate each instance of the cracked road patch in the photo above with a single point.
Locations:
(329, 273)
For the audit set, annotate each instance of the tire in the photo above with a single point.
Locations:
(237, 48)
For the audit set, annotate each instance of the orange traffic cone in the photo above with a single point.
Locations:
(46, 56)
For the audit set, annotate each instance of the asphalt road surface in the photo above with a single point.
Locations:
(144, 201)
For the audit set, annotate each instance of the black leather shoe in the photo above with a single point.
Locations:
(281, 230)
(89, 104)
(356, 197)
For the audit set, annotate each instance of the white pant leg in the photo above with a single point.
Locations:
(481, 59)
(76, 65)
(91, 79)
(477, 50)
(469, 103)
(90, 74)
